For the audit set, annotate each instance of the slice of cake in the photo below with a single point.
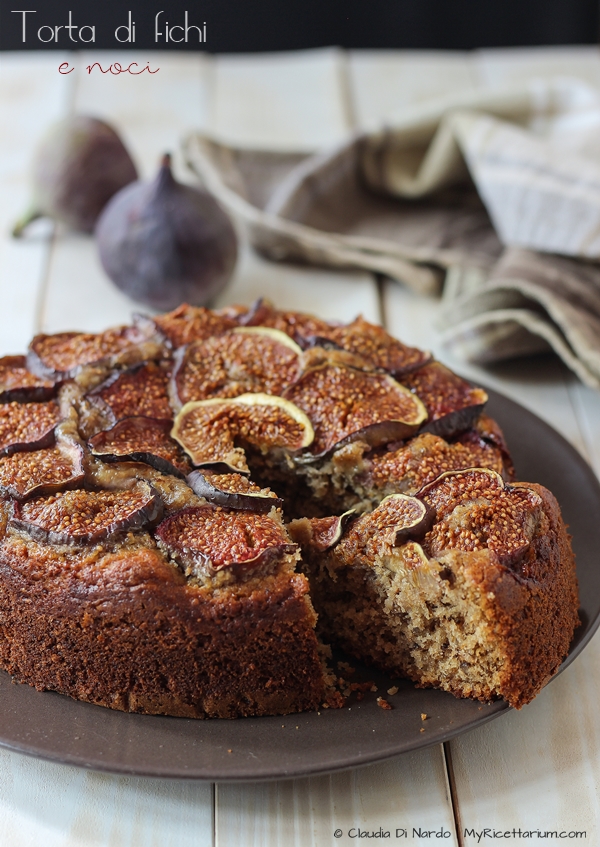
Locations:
(470, 586)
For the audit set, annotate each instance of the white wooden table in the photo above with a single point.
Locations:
(538, 769)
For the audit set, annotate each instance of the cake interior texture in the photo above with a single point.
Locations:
(195, 505)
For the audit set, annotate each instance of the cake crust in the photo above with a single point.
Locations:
(124, 630)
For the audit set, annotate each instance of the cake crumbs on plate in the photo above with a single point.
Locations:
(393, 690)
(424, 716)
(383, 704)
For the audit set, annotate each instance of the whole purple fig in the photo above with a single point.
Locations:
(80, 163)
(164, 243)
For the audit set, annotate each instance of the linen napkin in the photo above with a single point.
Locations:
(491, 198)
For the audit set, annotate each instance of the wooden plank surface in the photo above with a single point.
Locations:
(42, 803)
(406, 792)
(383, 83)
(153, 113)
(285, 101)
(32, 95)
(500, 68)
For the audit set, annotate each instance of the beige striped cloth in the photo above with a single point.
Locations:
(491, 198)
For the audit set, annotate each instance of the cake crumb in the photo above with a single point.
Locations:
(344, 666)
(424, 716)
(383, 704)
(393, 690)
(422, 729)
(334, 701)
(360, 689)
(230, 750)
(373, 688)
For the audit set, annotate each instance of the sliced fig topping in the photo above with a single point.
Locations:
(244, 360)
(476, 510)
(191, 323)
(345, 404)
(412, 557)
(38, 472)
(487, 432)
(210, 430)
(411, 521)
(325, 352)
(141, 439)
(27, 426)
(296, 325)
(233, 491)
(141, 390)
(326, 532)
(62, 355)
(377, 346)
(76, 517)
(410, 466)
(17, 384)
(208, 538)
(396, 520)
(452, 403)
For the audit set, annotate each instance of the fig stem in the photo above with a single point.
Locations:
(23, 223)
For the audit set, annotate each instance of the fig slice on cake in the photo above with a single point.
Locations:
(217, 431)
(397, 520)
(476, 510)
(17, 384)
(140, 390)
(189, 323)
(320, 533)
(84, 517)
(346, 404)
(297, 325)
(141, 439)
(233, 491)
(407, 467)
(364, 339)
(207, 539)
(241, 361)
(453, 404)
(377, 346)
(38, 472)
(27, 426)
(64, 354)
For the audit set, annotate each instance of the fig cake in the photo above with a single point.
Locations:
(195, 505)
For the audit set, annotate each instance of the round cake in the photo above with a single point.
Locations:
(194, 506)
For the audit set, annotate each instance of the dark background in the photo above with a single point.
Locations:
(254, 25)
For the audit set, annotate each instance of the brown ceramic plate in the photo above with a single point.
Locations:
(55, 727)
